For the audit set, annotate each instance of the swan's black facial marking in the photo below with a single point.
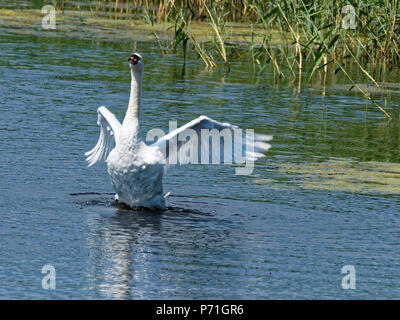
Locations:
(134, 59)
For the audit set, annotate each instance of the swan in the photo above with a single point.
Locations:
(135, 168)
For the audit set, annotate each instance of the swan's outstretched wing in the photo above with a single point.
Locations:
(110, 129)
(211, 141)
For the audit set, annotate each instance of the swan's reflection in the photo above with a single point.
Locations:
(143, 254)
(116, 241)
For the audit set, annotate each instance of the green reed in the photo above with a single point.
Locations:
(295, 32)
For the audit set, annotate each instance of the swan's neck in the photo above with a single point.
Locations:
(130, 124)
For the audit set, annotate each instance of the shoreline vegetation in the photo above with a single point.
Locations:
(299, 40)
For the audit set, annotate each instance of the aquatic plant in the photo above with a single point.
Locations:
(329, 36)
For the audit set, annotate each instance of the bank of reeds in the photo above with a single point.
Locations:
(329, 35)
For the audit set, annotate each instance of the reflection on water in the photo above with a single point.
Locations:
(115, 243)
(123, 245)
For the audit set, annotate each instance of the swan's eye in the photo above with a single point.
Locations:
(134, 59)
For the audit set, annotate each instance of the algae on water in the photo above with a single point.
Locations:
(96, 25)
(344, 175)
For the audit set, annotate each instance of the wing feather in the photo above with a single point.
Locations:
(110, 129)
(242, 145)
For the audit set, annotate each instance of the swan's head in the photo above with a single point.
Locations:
(136, 62)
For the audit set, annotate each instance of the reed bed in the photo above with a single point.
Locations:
(330, 36)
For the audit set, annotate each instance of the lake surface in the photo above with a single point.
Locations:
(326, 195)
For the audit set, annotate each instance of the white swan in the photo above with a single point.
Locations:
(136, 169)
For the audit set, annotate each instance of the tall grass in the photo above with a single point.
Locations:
(295, 32)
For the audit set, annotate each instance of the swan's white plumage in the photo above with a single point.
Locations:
(252, 148)
(136, 174)
(136, 169)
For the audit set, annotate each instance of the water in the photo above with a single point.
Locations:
(279, 233)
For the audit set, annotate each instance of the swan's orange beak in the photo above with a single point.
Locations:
(134, 59)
